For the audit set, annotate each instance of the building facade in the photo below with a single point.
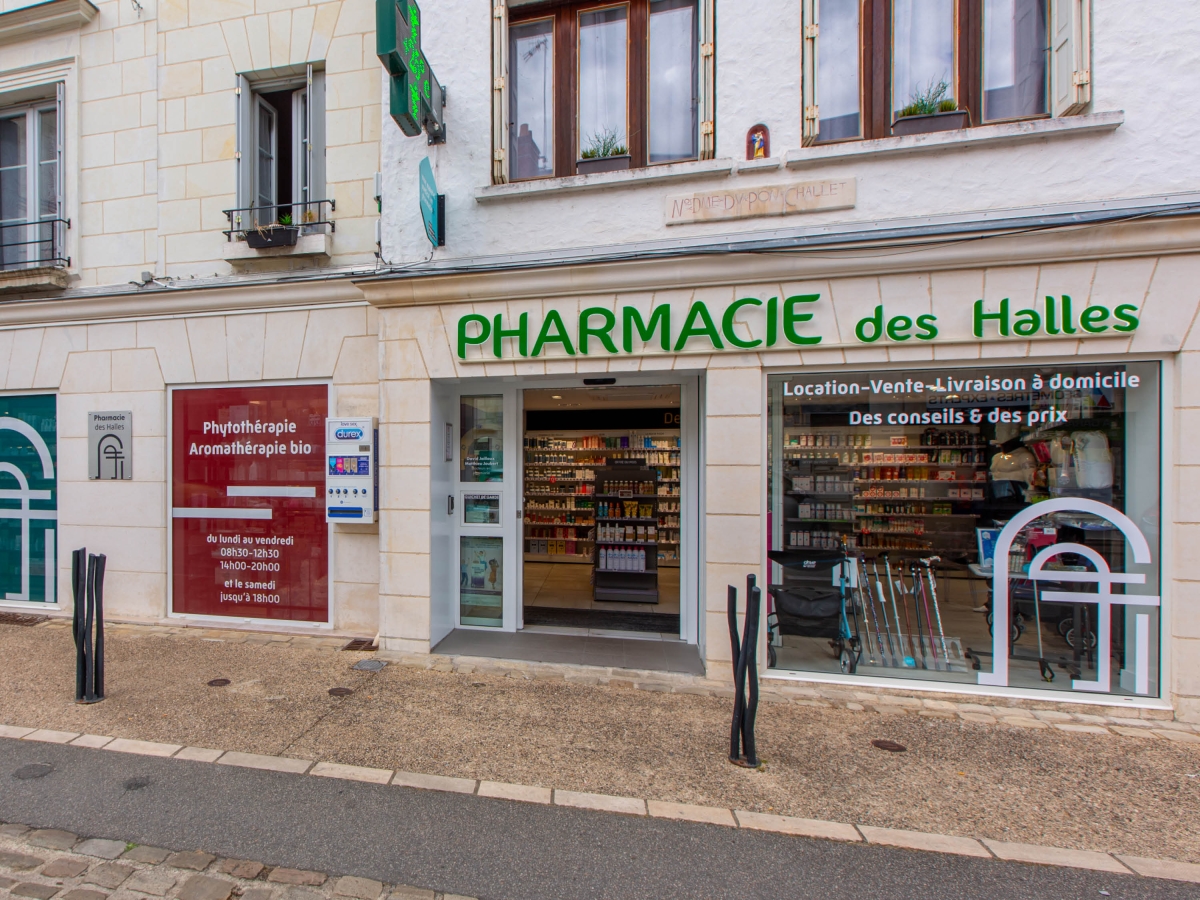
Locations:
(858, 302)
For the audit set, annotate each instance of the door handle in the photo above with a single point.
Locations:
(449, 504)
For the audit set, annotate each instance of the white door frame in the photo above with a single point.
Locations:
(690, 563)
(508, 489)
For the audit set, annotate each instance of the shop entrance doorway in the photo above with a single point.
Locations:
(601, 495)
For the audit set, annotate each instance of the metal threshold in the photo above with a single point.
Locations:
(570, 649)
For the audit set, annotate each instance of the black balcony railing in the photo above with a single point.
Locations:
(309, 217)
(34, 245)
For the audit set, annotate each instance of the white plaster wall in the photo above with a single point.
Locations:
(1146, 64)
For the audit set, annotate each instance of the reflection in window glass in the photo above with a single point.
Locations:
(922, 50)
(838, 70)
(531, 98)
(602, 83)
(673, 62)
(13, 188)
(1014, 58)
(481, 438)
(912, 475)
(481, 581)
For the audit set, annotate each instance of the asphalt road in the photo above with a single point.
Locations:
(492, 849)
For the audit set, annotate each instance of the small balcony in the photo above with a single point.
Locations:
(33, 255)
(292, 229)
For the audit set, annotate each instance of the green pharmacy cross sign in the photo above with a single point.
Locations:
(416, 96)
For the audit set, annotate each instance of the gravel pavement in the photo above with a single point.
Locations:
(1100, 792)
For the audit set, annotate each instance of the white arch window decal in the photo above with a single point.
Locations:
(1103, 578)
(24, 495)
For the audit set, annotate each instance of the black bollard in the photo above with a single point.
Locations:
(98, 587)
(87, 584)
(742, 751)
(750, 651)
(739, 697)
(79, 591)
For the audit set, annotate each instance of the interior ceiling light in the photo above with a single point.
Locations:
(556, 396)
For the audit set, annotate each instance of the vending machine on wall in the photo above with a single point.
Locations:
(352, 476)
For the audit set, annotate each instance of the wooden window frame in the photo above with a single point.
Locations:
(876, 61)
(566, 78)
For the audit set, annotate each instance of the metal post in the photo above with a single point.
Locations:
(750, 653)
(735, 729)
(87, 586)
(79, 592)
(98, 582)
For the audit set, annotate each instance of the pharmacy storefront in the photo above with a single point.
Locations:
(944, 481)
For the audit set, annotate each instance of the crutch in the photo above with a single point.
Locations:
(936, 610)
(920, 583)
(904, 590)
(874, 652)
(883, 607)
(1043, 666)
(864, 587)
(909, 662)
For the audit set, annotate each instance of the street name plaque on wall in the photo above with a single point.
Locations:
(768, 200)
(110, 446)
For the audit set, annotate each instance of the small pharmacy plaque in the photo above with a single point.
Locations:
(110, 446)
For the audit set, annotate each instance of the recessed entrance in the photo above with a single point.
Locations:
(601, 493)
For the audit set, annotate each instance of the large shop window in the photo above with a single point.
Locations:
(599, 87)
(893, 496)
(874, 68)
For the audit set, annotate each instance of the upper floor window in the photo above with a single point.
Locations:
(31, 224)
(598, 87)
(281, 153)
(873, 68)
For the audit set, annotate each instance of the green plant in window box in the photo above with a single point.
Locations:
(604, 152)
(280, 233)
(931, 110)
(604, 144)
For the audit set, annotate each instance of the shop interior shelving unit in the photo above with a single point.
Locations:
(560, 490)
(909, 496)
(626, 500)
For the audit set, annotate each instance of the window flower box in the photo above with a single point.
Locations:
(602, 164)
(271, 236)
(925, 124)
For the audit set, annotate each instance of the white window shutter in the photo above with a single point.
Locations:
(57, 229)
(316, 115)
(810, 112)
(1071, 56)
(245, 150)
(708, 79)
(500, 148)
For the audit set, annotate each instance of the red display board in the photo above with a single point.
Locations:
(247, 502)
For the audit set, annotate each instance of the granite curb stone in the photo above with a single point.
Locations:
(101, 848)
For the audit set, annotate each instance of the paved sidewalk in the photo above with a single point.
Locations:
(1081, 786)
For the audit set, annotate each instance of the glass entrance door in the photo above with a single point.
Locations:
(486, 512)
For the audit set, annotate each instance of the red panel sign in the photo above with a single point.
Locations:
(247, 502)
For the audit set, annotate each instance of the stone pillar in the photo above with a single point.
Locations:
(404, 476)
(734, 495)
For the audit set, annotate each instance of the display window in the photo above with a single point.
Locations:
(997, 525)
(248, 531)
(29, 499)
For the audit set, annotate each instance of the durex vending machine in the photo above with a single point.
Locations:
(352, 476)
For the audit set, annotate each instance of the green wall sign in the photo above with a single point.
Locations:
(785, 322)
(416, 98)
(28, 498)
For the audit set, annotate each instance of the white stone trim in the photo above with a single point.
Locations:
(982, 135)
